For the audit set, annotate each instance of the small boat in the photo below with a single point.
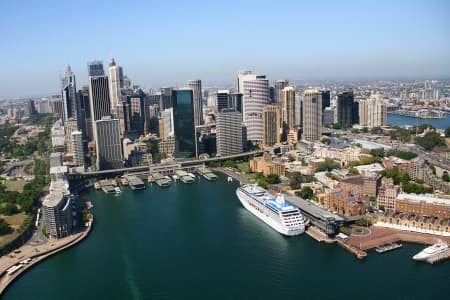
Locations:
(192, 175)
(175, 177)
(230, 179)
(168, 178)
(117, 190)
(97, 186)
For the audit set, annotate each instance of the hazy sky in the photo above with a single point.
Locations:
(168, 42)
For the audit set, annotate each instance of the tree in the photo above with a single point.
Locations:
(447, 131)
(446, 177)
(430, 140)
(5, 228)
(306, 193)
(328, 165)
(353, 170)
(273, 179)
(378, 152)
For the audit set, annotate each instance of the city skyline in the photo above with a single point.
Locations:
(329, 41)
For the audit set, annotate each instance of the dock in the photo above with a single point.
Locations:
(136, 183)
(184, 176)
(107, 186)
(159, 179)
(387, 247)
(207, 173)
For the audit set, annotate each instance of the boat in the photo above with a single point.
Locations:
(117, 189)
(440, 248)
(175, 177)
(388, 247)
(97, 186)
(168, 178)
(230, 179)
(192, 175)
(279, 214)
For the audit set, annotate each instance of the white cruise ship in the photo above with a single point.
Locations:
(437, 249)
(276, 212)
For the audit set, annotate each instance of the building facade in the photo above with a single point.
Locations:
(196, 87)
(312, 115)
(183, 123)
(229, 132)
(108, 146)
(271, 125)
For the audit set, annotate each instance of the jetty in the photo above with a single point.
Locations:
(136, 183)
(160, 179)
(207, 173)
(107, 186)
(184, 176)
(388, 247)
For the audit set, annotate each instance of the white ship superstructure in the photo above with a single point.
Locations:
(276, 212)
(439, 248)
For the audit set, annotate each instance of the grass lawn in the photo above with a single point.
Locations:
(243, 167)
(15, 221)
(15, 185)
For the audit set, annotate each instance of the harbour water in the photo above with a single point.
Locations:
(197, 242)
(402, 120)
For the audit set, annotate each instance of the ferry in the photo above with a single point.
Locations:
(279, 214)
(440, 248)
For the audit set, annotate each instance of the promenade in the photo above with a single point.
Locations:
(36, 254)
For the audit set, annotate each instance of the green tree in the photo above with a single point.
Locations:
(430, 140)
(328, 165)
(273, 179)
(5, 228)
(353, 170)
(306, 193)
(446, 177)
(447, 131)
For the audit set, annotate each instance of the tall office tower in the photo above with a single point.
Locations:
(183, 123)
(43, 106)
(137, 114)
(71, 105)
(151, 120)
(126, 82)
(77, 146)
(279, 86)
(373, 111)
(326, 99)
(57, 214)
(196, 86)
(312, 115)
(236, 102)
(223, 100)
(70, 126)
(287, 110)
(346, 116)
(328, 116)
(124, 115)
(85, 113)
(271, 125)
(95, 68)
(229, 132)
(255, 90)
(100, 104)
(167, 120)
(298, 109)
(115, 83)
(107, 142)
(56, 106)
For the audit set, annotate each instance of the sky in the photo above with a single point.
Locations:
(165, 43)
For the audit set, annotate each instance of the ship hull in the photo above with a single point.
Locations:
(268, 220)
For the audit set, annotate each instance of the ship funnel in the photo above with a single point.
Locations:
(280, 199)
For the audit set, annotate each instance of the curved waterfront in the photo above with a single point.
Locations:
(196, 241)
(402, 120)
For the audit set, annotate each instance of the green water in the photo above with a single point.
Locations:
(197, 242)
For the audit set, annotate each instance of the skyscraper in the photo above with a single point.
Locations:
(183, 123)
(137, 114)
(95, 68)
(279, 86)
(77, 146)
(100, 104)
(373, 111)
(196, 86)
(271, 125)
(312, 115)
(69, 96)
(115, 83)
(287, 109)
(255, 90)
(107, 142)
(229, 132)
(347, 112)
(227, 101)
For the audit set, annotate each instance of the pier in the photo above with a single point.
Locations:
(207, 173)
(184, 176)
(136, 183)
(160, 180)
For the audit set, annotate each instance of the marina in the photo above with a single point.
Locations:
(419, 113)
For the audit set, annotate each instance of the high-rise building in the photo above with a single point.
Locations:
(271, 125)
(115, 83)
(328, 116)
(312, 115)
(229, 132)
(29, 108)
(326, 100)
(183, 123)
(100, 105)
(107, 142)
(57, 214)
(85, 113)
(124, 115)
(373, 111)
(279, 86)
(167, 123)
(287, 110)
(71, 105)
(95, 68)
(196, 86)
(69, 127)
(56, 106)
(255, 91)
(77, 146)
(137, 114)
(347, 110)
(226, 101)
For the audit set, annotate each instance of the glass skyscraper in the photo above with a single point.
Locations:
(183, 123)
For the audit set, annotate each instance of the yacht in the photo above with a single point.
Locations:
(437, 249)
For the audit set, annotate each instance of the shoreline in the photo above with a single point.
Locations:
(59, 246)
